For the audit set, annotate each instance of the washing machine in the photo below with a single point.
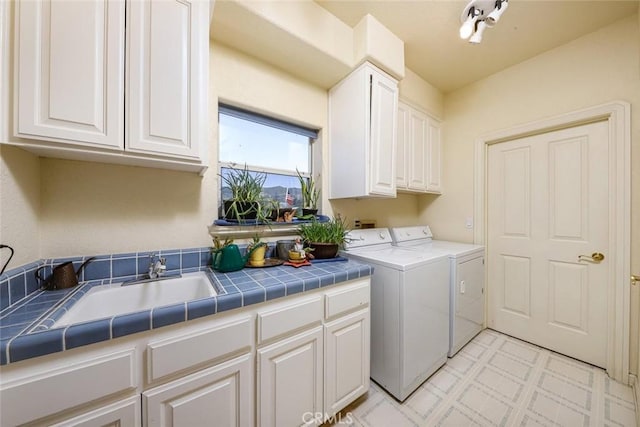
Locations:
(409, 310)
(466, 280)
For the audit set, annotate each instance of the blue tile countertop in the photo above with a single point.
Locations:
(26, 325)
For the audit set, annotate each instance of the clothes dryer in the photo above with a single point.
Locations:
(409, 310)
(466, 280)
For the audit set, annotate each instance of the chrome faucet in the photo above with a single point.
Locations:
(158, 267)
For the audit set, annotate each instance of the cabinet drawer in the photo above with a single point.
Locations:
(176, 354)
(45, 394)
(347, 299)
(284, 319)
(125, 413)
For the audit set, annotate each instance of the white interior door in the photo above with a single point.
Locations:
(547, 205)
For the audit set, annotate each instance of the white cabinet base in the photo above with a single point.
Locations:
(125, 413)
(346, 360)
(290, 380)
(220, 395)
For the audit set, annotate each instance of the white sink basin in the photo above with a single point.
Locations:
(111, 300)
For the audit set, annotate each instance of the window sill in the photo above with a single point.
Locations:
(247, 231)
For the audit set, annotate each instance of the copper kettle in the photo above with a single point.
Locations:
(63, 276)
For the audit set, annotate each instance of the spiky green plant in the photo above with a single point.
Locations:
(333, 231)
(246, 194)
(310, 193)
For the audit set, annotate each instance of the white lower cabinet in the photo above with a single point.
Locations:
(346, 360)
(295, 361)
(125, 413)
(59, 385)
(290, 378)
(221, 395)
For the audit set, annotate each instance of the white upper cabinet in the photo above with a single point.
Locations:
(434, 175)
(70, 71)
(418, 151)
(87, 86)
(401, 147)
(167, 46)
(362, 126)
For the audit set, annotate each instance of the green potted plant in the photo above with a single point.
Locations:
(247, 201)
(310, 195)
(324, 238)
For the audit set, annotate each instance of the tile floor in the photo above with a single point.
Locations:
(497, 380)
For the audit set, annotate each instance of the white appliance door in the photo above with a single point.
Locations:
(467, 300)
(425, 321)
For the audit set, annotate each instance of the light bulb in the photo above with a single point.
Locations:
(477, 36)
(469, 25)
(496, 13)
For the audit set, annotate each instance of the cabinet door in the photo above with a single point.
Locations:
(125, 413)
(290, 380)
(220, 395)
(402, 146)
(167, 75)
(419, 152)
(70, 71)
(434, 176)
(346, 360)
(384, 110)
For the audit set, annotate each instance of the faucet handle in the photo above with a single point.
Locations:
(163, 261)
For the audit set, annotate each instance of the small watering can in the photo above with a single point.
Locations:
(228, 258)
(63, 276)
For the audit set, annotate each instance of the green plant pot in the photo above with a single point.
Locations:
(324, 250)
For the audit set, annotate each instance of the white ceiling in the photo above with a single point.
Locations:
(434, 50)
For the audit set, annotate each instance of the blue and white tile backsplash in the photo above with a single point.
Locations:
(18, 283)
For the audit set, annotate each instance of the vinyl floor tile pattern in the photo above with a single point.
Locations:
(497, 380)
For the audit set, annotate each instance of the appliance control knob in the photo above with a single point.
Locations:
(381, 236)
(424, 231)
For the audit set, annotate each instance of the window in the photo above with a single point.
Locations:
(268, 145)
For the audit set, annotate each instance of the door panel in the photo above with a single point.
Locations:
(548, 202)
(384, 110)
(164, 71)
(419, 151)
(568, 190)
(223, 393)
(70, 64)
(516, 284)
(517, 197)
(290, 380)
(568, 299)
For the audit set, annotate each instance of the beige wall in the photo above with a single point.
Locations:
(600, 67)
(421, 94)
(19, 205)
(93, 208)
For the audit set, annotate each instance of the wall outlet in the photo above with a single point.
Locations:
(469, 222)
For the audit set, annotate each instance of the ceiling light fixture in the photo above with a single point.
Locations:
(480, 15)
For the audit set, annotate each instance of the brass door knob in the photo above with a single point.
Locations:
(594, 257)
(635, 279)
